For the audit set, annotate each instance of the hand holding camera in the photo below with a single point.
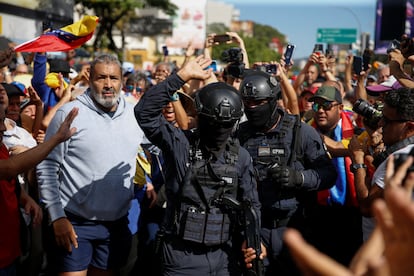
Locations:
(394, 45)
(407, 46)
(234, 58)
(372, 113)
(396, 61)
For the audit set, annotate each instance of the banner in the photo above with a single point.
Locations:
(189, 24)
(382, 44)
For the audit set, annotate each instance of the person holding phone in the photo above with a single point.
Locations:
(308, 74)
(236, 39)
(317, 66)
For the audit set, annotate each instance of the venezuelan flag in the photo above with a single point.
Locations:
(64, 39)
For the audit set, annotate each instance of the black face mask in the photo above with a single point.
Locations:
(213, 135)
(262, 117)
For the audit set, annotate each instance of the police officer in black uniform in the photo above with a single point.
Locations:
(201, 167)
(290, 163)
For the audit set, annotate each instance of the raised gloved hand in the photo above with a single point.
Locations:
(286, 177)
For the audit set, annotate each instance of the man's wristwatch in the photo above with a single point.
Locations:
(355, 167)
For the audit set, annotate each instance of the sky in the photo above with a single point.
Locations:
(300, 19)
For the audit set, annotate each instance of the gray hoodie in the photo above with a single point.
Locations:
(90, 175)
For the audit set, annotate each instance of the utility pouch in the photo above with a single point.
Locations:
(193, 225)
(217, 229)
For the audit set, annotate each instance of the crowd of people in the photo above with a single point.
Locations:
(106, 169)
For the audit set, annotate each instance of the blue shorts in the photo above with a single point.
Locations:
(101, 244)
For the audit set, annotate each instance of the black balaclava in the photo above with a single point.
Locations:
(213, 135)
(263, 117)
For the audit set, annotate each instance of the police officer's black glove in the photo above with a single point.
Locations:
(286, 178)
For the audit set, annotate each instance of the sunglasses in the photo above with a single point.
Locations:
(325, 106)
(130, 88)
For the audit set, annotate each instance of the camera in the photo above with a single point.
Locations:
(407, 46)
(234, 55)
(234, 58)
(372, 114)
(395, 44)
(400, 158)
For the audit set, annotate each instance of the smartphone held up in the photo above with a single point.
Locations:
(290, 48)
(165, 50)
(318, 49)
(221, 38)
(361, 63)
(213, 66)
(357, 65)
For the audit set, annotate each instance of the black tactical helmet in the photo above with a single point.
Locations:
(259, 85)
(220, 102)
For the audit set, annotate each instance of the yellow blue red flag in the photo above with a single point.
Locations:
(64, 39)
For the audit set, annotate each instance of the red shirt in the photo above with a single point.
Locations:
(9, 218)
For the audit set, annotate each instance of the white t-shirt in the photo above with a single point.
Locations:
(17, 136)
(368, 223)
(378, 177)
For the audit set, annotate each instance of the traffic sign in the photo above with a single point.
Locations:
(336, 36)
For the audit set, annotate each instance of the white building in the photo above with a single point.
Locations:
(220, 12)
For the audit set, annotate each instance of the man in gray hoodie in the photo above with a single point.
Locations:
(86, 182)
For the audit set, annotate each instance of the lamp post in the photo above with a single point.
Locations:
(359, 29)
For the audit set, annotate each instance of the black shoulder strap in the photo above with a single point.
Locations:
(399, 145)
(296, 152)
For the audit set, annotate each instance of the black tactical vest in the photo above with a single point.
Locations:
(199, 218)
(274, 148)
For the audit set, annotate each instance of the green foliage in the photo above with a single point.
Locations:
(259, 50)
(165, 5)
(266, 33)
(217, 28)
(114, 13)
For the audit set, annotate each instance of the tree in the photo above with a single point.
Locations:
(217, 28)
(114, 13)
